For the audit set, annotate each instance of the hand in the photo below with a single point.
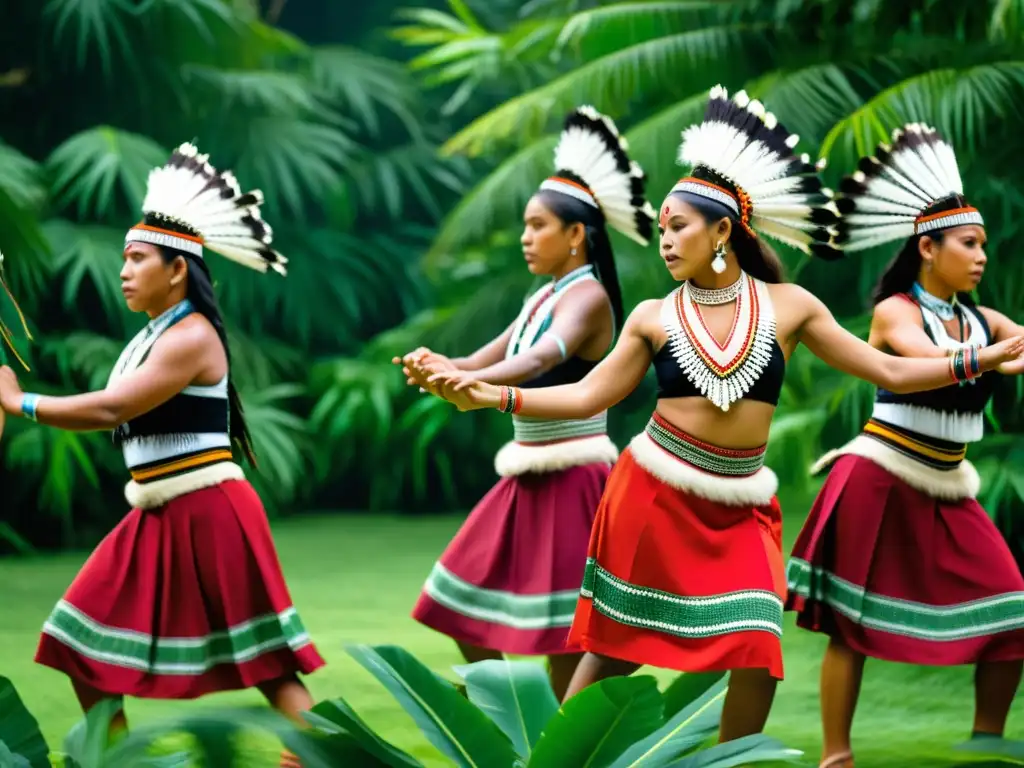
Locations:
(10, 391)
(1012, 368)
(419, 360)
(1006, 351)
(463, 390)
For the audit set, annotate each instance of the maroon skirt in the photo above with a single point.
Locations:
(897, 574)
(510, 578)
(181, 601)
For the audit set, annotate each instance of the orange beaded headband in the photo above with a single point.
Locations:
(739, 203)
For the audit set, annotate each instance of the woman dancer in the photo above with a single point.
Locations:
(685, 568)
(185, 596)
(897, 560)
(509, 579)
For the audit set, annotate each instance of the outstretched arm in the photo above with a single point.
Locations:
(182, 354)
(608, 384)
(845, 352)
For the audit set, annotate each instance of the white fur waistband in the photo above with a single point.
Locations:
(950, 485)
(756, 489)
(520, 458)
(159, 492)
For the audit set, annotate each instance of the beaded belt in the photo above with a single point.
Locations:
(179, 465)
(539, 431)
(727, 462)
(940, 454)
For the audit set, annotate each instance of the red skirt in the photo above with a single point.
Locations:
(510, 578)
(897, 574)
(680, 582)
(181, 601)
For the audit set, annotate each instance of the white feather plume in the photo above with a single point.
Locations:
(745, 145)
(188, 190)
(591, 149)
(892, 188)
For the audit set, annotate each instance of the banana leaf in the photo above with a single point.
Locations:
(19, 730)
(599, 723)
(741, 752)
(692, 725)
(336, 716)
(516, 695)
(449, 721)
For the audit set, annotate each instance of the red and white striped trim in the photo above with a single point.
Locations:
(142, 233)
(571, 188)
(958, 217)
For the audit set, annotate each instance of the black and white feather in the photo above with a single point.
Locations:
(742, 144)
(910, 186)
(189, 192)
(593, 154)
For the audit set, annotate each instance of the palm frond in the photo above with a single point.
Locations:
(102, 169)
(403, 176)
(962, 103)
(195, 12)
(88, 256)
(21, 178)
(56, 462)
(92, 24)
(363, 288)
(1007, 20)
(260, 92)
(279, 438)
(293, 160)
(464, 51)
(27, 248)
(689, 61)
(84, 357)
(365, 85)
(608, 27)
(654, 143)
(809, 100)
(497, 200)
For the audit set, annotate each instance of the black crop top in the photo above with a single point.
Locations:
(672, 382)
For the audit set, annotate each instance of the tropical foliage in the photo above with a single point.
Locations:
(506, 715)
(394, 243)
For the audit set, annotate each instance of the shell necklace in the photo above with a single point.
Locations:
(723, 373)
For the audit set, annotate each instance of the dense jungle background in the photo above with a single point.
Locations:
(396, 143)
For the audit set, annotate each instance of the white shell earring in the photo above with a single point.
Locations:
(718, 263)
(572, 251)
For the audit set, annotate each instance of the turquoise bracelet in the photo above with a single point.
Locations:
(29, 403)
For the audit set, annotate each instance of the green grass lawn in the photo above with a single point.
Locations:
(354, 580)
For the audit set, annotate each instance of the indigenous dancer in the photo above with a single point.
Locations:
(897, 560)
(509, 579)
(685, 568)
(6, 337)
(185, 596)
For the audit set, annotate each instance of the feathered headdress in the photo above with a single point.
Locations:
(592, 166)
(5, 331)
(910, 187)
(190, 205)
(742, 158)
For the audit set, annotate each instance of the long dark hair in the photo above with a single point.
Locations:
(902, 272)
(599, 248)
(200, 293)
(754, 255)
